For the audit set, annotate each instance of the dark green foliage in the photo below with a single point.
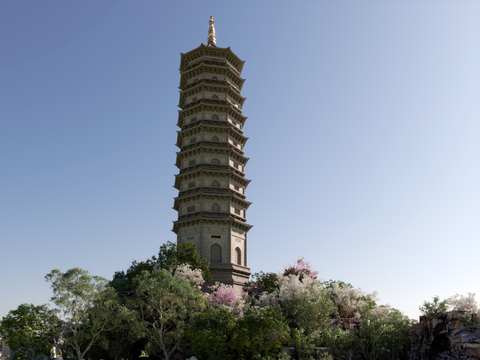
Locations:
(211, 331)
(31, 330)
(262, 282)
(217, 334)
(384, 338)
(170, 256)
(164, 304)
(309, 316)
(471, 322)
(123, 281)
(261, 332)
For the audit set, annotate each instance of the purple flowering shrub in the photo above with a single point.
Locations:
(301, 268)
(226, 295)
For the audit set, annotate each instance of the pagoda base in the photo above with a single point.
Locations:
(228, 274)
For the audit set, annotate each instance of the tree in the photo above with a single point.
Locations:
(170, 257)
(164, 302)
(31, 330)
(119, 340)
(434, 307)
(383, 337)
(87, 307)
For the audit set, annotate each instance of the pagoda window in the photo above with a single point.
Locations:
(214, 117)
(238, 211)
(191, 162)
(234, 186)
(191, 209)
(215, 161)
(191, 185)
(239, 256)
(215, 97)
(215, 138)
(215, 207)
(193, 119)
(192, 140)
(216, 253)
(193, 99)
(215, 184)
(214, 78)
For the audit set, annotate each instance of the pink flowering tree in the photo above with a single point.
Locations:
(301, 268)
(227, 295)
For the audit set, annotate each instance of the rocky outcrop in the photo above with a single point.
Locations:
(444, 336)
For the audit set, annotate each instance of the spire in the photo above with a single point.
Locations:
(211, 33)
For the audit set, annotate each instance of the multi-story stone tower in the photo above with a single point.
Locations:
(211, 203)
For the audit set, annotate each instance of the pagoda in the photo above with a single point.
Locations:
(211, 203)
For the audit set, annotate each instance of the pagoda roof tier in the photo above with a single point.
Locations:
(207, 52)
(218, 63)
(213, 82)
(217, 102)
(213, 215)
(194, 190)
(200, 128)
(204, 69)
(202, 105)
(201, 88)
(203, 170)
(221, 124)
(215, 150)
(217, 167)
(211, 144)
(211, 219)
(203, 193)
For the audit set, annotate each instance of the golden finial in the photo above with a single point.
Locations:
(211, 33)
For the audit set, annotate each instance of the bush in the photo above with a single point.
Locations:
(307, 306)
(264, 282)
(385, 337)
(210, 332)
(434, 307)
(465, 303)
(262, 332)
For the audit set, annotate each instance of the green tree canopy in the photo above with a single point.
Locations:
(170, 256)
(165, 303)
(31, 330)
(87, 307)
(434, 307)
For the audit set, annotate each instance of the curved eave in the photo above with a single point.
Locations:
(200, 102)
(203, 218)
(229, 152)
(198, 127)
(219, 49)
(210, 145)
(207, 194)
(228, 172)
(184, 94)
(203, 70)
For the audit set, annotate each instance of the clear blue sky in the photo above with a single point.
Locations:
(364, 127)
